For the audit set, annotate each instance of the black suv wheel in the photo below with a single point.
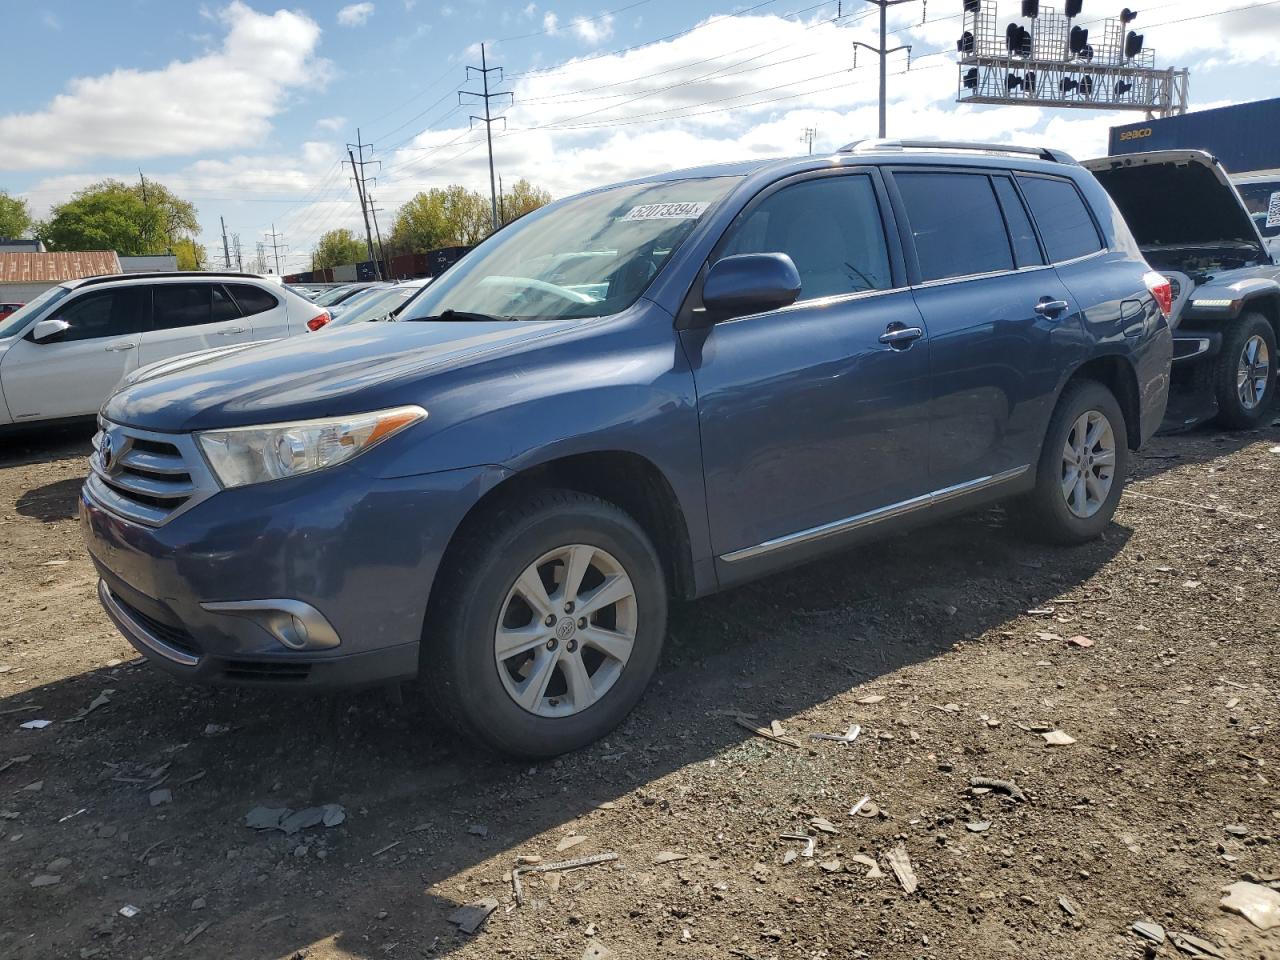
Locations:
(1083, 464)
(548, 626)
(1244, 375)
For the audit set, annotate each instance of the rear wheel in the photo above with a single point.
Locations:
(1245, 372)
(548, 627)
(1081, 474)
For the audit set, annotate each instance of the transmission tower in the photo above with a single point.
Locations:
(488, 119)
(810, 134)
(235, 251)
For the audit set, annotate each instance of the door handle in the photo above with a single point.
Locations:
(1052, 308)
(117, 347)
(900, 337)
(230, 331)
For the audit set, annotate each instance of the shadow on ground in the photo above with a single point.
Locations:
(773, 648)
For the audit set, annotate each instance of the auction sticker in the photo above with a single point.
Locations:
(1273, 211)
(690, 210)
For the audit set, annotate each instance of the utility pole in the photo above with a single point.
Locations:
(377, 232)
(145, 207)
(488, 119)
(276, 246)
(368, 201)
(226, 250)
(364, 207)
(809, 135)
(883, 53)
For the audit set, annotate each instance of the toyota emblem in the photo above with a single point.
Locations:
(105, 452)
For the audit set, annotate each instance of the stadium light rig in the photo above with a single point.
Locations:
(1045, 59)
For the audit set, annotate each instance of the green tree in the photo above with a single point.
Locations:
(15, 216)
(522, 198)
(448, 217)
(131, 219)
(420, 225)
(338, 247)
(191, 255)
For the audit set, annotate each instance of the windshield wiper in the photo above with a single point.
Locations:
(464, 315)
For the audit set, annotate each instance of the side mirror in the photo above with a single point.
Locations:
(750, 283)
(49, 328)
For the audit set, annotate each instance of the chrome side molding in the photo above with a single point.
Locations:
(880, 514)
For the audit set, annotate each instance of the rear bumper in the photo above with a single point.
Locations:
(358, 552)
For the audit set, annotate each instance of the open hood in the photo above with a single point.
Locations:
(1177, 198)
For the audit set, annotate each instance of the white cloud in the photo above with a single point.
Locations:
(594, 30)
(223, 99)
(355, 14)
(550, 22)
(50, 20)
(331, 123)
(529, 11)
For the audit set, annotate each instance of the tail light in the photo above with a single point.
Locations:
(320, 319)
(1162, 290)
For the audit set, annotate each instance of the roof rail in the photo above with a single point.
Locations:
(890, 146)
(165, 275)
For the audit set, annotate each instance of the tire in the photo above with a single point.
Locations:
(476, 689)
(1249, 344)
(1046, 510)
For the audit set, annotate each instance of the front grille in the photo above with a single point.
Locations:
(176, 637)
(266, 671)
(143, 476)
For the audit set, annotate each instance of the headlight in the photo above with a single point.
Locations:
(244, 455)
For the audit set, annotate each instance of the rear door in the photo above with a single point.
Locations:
(71, 374)
(193, 316)
(1000, 321)
(264, 310)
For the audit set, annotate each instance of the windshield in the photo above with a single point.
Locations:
(1262, 200)
(375, 307)
(19, 319)
(357, 299)
(586, 257)
(333, 294)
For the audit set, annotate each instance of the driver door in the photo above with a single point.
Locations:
(72, 373)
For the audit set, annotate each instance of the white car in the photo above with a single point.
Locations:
(64, 352)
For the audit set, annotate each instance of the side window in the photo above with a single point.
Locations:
(252, 299)
(182, 305)
(831, 228)
(224, 308)
(106, 313)
(956, 224)
(1063, 218)
(1026, 251)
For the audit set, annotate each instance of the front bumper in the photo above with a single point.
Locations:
(1192, 399)
(361, 552)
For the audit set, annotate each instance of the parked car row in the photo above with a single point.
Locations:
(661, 388)
(66, 350)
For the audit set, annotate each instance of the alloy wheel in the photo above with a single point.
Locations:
(566, 630)
(1252, 372)
(1088, 464)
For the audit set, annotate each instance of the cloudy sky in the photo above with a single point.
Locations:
(246, 107)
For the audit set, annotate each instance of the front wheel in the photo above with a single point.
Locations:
(548, 625)
(1082, 468)
(1245, 373)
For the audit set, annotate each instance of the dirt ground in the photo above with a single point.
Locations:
(949, 647)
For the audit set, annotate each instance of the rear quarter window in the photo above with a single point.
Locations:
(1066, 226)
(252, 299)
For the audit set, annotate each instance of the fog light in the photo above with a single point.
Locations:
(297, 625)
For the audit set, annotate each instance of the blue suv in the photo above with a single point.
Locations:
(662, 388)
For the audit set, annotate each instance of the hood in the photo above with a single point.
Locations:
(184, 360)
(363, 367)
(1177, 198)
